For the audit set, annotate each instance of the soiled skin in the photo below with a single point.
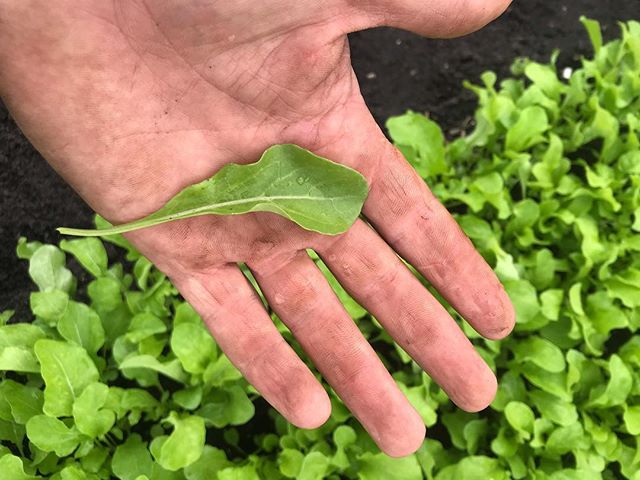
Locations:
(131, 101)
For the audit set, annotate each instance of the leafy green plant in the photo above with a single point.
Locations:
(317, 194)
(117, 378)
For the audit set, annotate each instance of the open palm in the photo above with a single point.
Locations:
(131, 101)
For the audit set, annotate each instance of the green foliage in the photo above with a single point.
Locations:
(547, 186)
(312, 191)
(118, 378)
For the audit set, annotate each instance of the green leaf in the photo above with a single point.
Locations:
(67, 370)
(541, 352)
(132, 459)
(528, 129)
(52, 435)
(185, 444)
(47, 269)
(208, 465)
(626, 287)
(290, 462)
(524, 298)
(632, 419)
(379, 466)
(5, 316)
(520, 417)
(171, 369)
(474, 468)
(314, 467)
(555, 409)
(49, 305)
(424, 137)
(24, 401)
(26, 249)
(91, 419)
(227, 407)
(313, 192)
(16, 347)
(220, 372)
(565, 439)
(89, 252)
(144, 325)
(81, 325)
(593, 29)
(13, 469)
(193, 345)
(618, 387)
(247, 472)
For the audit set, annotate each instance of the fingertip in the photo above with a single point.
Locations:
(314, 411)
(481, 394)
(504, 321)
(411, 440)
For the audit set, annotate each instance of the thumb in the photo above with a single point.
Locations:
(431, 18)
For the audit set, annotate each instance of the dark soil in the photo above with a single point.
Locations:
(397, 71)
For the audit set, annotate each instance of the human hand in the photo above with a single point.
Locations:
(131, 101)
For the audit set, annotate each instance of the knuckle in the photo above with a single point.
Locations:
(380, 282)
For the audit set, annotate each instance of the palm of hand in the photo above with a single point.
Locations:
(160, 96)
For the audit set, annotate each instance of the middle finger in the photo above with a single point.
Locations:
(298, 292)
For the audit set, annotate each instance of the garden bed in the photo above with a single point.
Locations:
(404, 78)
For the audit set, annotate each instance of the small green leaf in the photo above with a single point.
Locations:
(144, 325)
(67, 370)
(24, 401)
(91, 419)
(314, 467)
(565, 439)
(48, 271)
(189, 398)
(541, 352)
(247, 472)
(81, 325)
(595, 34)
(524, 298)
(185, 444)
(12, 468)
(520, 417)
(49, 305)
(227, 407)
(424, 137)
(171, 369)
(555, 409)
(89, 252)
(132, 459)
(220, 372)
(208, 465)
(16, 347)
(528, 130)
(290, 462)
(632, 419)
(52, 435)
(618, 387)
(379, 466)
(193, 345)
(313, 192)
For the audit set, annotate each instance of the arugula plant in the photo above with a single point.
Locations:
(315, 193)
(116, 377)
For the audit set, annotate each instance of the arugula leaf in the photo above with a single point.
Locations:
(313, 192)
(52, 435)
(185, 444)
(67, 370)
